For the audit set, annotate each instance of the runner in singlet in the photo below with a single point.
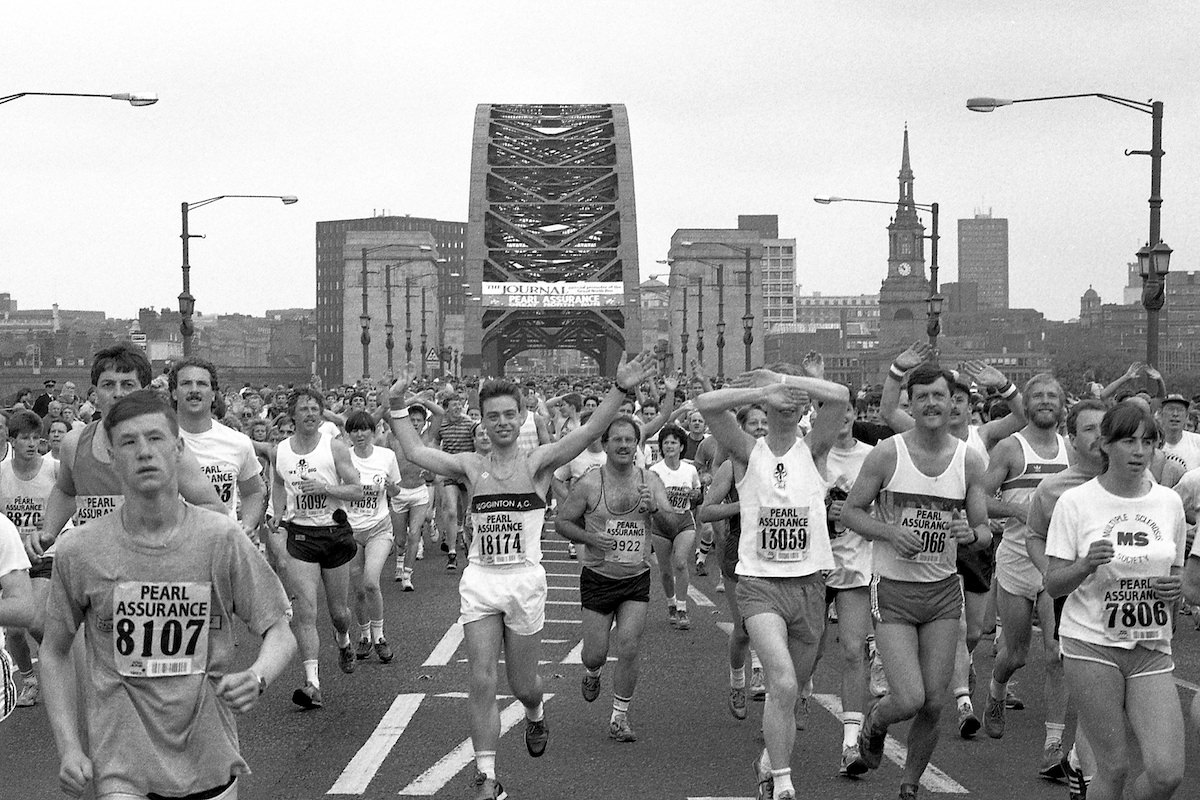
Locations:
(25, 482)
(1018, 464)
(784, 546)
(722, 504)
(674, 547)
(314, 477)
(608, 512)
(453, 436)
(503, 589)
(923, 482)
(1116, 549)
(226, 456)
(410, 506)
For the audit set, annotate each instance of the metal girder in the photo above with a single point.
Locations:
(551, 200)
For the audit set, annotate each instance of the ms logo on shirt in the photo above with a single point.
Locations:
(780, 475)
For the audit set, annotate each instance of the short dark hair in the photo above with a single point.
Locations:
(300, 393)
(1080, 407)
(622, 419)
(139, 404)
(122, 357)
(359, 421)
(499, 387)
(1123, 420)
(926, 374)
(743, 413)
(191, 361)
(673, 430)
(23, 421)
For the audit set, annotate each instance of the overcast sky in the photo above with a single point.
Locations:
(734, 107)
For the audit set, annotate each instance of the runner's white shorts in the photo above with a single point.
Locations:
(518, 594)
(1015, 571)
(852, 555)
(410, 498)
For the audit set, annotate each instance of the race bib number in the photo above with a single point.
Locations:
(1132, 612)
(499, 535)
(311, 505)
(26, 520)
(783, 533)
(94, 506)
(160, 630)
(369, 500)
(679, 498)
(933, 524)
(630, 541)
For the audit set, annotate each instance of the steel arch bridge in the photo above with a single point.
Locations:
(551, 200)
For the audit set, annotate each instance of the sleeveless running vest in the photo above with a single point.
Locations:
(527, 436)
(630, 528)
(926, 505)
(506, 518)
(97, 489)
(782, 507)
(308, 509)
(1021, 488)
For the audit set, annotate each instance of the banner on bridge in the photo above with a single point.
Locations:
(556, 294)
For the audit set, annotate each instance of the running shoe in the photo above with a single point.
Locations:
(399, 576)
(487, 788)
(701, 566)
(537, 736)
(968, 723)
(758, 688)
(682, 621)
(766, 781)
(737, 702)
(787, 794)
(852, 763)
(406, 583)
(347, 659)
(383, 650)
(871, 741)
(908, 791)
(451, 562)
(619, 730)
(1054, 763)
(878, 682)
(590, 687)
(30, 692)
(363, 650)
(801, 713)
(308, 697)
(672, 614)
(993, 718)
(1012, 701)
(1076, 788)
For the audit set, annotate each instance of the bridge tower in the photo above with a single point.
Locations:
(551, 235)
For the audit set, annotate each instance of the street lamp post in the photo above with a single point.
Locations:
(187, 303)
(1155, 262)
(748, 316)
(135, 99)
(933, 321)
(407, 319)
(424, 333)
(390, 341)
(364, 318)
(700, 323)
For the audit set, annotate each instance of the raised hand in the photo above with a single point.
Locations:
(641, 367)
(1152, 373)
(671, 381)
(784, 398)
(404, 376)
(916, 355)
(984, 374)
(814, 365)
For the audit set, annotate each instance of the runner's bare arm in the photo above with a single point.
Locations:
(977, 506)
(1006, 461)
(253, 493)
(572, 507)
(889, 403)
(414, 449)
(62, 702)
(241, 690)
(876, 470)
(16, 599)
(60, 505)
(196, 488)
(714, 507)
(667, 519)
(665, 409)
(350, 487)
(827, 424)
(1191, 579)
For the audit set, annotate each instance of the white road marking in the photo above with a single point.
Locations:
(699, 598)
(934, 780)
(562, 602)
(366, 762)
(562, 588)
(1191, 687)
(554, 641)
(434, 779)
(563, 622)
(559, 561)
(446, 648)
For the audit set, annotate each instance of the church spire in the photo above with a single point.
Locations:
(906, 174)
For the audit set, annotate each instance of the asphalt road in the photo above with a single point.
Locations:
(400, 729)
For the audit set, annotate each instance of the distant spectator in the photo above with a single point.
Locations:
(41, 405)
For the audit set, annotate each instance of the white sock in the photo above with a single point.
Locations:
(1054, 734)
(376, 629)
(783, 781)
(485, 762)
(851, 725)
(755, 664)
(594, 673)
(343, 638)
(535, 714)
(808, 689)
(681, 605)
(310, 673)
(620, 708)
(737, 677)
(364, 631)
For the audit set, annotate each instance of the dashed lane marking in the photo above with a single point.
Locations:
(366, 762)
(446, 648)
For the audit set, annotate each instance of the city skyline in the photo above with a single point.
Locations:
(751, 110)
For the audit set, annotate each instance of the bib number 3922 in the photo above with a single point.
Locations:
(160, 630)
(629, 537)
(783, 533)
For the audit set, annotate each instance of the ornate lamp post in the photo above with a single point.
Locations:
(747, 316)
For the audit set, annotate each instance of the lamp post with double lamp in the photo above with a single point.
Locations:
(364, 318)
(187, 303)
(1155, 261)
(720, 268)
(135, 99)
(748, 316)
(933, 321)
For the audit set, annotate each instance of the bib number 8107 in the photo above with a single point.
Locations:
(170, 637)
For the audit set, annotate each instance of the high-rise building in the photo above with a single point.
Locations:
(331, 285)
(983, 257)
(779, 269)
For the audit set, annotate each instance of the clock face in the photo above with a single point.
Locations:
(904, 269)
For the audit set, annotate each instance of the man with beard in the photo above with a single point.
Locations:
(608, 511)
(1018, 464)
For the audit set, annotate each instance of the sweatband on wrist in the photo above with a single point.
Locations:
(1008, 390)
(395, 403)
(896, 372)
(400, 413)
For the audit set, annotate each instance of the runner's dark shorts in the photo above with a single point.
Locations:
(668, 535)
(915, 602)
(451, 482)
(977, 567)
(331, 546)
(605, 595)
(729, 554)
(42, 569)
(1059, 602)
(800, 602)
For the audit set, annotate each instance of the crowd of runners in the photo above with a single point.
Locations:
(144, 514)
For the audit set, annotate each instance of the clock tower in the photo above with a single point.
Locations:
(903, 295)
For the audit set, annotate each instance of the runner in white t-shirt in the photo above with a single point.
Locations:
(16, 604)
(1116, 550)
(674, 549)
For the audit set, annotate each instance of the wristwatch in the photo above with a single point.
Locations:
(262, 682)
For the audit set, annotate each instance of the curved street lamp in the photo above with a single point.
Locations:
(187, 303)
(136, 99)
